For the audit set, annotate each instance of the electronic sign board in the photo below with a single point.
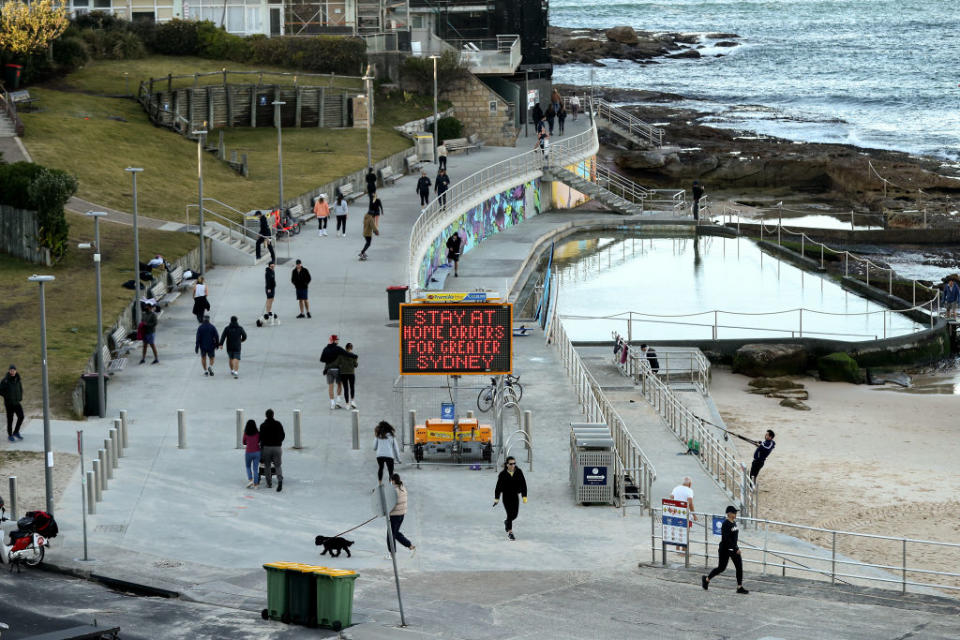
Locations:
(456, 339)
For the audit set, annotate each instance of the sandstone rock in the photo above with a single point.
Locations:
(726, 43)
(794, 404)
(624, 35)
(839, 367)
(795, 394)
(770, 360)
(722, 36)
(688, 53)
(775, 383)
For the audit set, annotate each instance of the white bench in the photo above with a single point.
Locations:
(388, 176)
(112, 365)
(162, 294)
(121, 344)
(458, 144)
(474, 141)
(296, 211)
(346, 190)
(413, 163)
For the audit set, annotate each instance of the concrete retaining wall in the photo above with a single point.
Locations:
(843, 237)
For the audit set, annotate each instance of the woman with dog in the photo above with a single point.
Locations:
(510, 483)
(251, 458)
(396, 515)
(385, 444)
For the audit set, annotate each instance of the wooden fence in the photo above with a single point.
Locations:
(19, 234)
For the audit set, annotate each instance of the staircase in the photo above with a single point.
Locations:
(617, 203)
(232, 247)
(620, 193)
(7, 129)
(369, 17)
(627, 125)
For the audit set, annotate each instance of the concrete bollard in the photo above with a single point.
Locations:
(118, 427)
(97, 480)
(108, 459)
(181, 429)
(297, 443)
(91, 493)
(13, 497)
(123, 429)
(528, 425)
(355, 420)
(102, 468)
(114, 448)
(411, 427)
(239, 429)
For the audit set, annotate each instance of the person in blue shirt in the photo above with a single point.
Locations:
(764, 449)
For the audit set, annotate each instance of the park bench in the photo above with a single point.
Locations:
(474, 141)
(296, 212)
(162, 294)
(413, 163)
(388, 176)
(176, 278)
(22, 99)
(454, 145)
(112, 365)
(84, 632)
(121, 343)
(346, 190)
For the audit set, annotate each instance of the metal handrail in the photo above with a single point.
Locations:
(634, 125)
(619, 184)
(11, 108)
(699, 365)
(232, 226)
(675, 199)
(833, 559)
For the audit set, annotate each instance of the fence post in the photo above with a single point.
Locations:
(846, 263)
(13, 497)
(904, 582)
(914, 292)
(868, 273)
(715, 324)
(123, 428)
(355, 428)
(181, 429)
(801, 322)
(114, 448)
(412, 425)
(527, 426)
(102, 468)
(890, 282)
(803, 238)
(91, 493)
(629, 326)
(821, 255)
(240, 428)
(297, 415)
(833, 559)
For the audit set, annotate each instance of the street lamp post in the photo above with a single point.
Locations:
(436, 126)
(200, 137)
(526, 101)
(368, 83)
(47, 451)
(133, 171)
(101, 384)
(276, 116)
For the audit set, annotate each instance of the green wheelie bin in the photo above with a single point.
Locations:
(277, 595)
(334, 597)
(302, 595)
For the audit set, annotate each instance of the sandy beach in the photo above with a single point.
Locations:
(864, 458)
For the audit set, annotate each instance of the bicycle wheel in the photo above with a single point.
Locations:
(485, 399)
(519, 390)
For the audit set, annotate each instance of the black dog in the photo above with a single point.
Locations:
(334, 545)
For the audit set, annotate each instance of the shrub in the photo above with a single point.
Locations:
(48, 192)
(449, 127)
(96, 41)
(70, 53)
(15, 180)
(177, 37)
(417, 73)
(214, 42)
(99, 20)
(124, 45)
(321, 54)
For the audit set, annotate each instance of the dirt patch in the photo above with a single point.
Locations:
(28, 467)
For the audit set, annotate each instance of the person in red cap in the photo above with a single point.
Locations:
(329, 357)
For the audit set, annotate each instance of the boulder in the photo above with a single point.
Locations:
(687, 53)
(770, 360)
(839, 367)
(794, 404)
(726, 43)
(623, 35)
(775, 383)
(796, 394)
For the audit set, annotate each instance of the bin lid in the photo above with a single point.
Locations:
(597, 443)
(280, 565)
(398, 287)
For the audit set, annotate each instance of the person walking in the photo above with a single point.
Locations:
(371, 179)
(340, 210)
(330, 357)
(697, 194)
(347, 365)
(561, 117)
(764, 449)
(270, 288)
(441, 184)
(148, 333)
(207, 342)
(537, 115)
(651, 355)
(510, 484)
(396, 516)
(423, 188)
(265, 236)
(543, 144)
(300, 279)
(200, 303)
(728, 550)
(574, 106)
(11, 388)
(951, 297)
(369, 230)
(454, 242)
(251, 456)
(385, 445)
(550, 116)
(271, 448)
(442, 156)
(376, 210)
(683, 492)
(233, 335)
(322, 211)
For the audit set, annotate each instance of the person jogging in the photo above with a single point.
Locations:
(233, 335)
(340, 210)
(729, 550)
(322, 210)
(510, 484)
(264, 236)
(206, 345)
(423, 188)
(11, 388)
(300, 279)
(270, 288)
(763, 450)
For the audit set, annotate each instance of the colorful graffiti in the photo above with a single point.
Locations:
(566, 197)
(504, 210)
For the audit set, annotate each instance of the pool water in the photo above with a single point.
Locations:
(687, 288)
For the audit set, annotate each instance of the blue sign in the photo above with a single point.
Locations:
(717, 524)
(446, 411)
(594, 476)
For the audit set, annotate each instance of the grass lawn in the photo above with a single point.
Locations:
(71, 305)
(96, 137)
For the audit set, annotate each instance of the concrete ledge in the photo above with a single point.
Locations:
(875, 236)
(791, 256)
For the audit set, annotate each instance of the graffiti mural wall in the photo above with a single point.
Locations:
(504, 210)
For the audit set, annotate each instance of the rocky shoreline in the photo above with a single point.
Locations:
(591, 46)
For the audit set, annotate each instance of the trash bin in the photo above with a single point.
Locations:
(91, 400)
(11, 76)
(277, 599)
(592, 463)
(302, 594)
(334, 597)
(395, 296)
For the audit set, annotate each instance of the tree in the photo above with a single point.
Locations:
(29, 28)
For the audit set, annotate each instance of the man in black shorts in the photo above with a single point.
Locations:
(270, 284)
(300, 279)
(232, 336)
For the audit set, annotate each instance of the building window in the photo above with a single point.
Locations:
(493, 107)
(417, 22)
(101, 4)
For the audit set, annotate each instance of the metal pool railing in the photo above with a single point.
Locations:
(675, 363)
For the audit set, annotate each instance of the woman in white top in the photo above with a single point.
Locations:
(442, 155)
(340, 210)
(386, 447)
(200, 303)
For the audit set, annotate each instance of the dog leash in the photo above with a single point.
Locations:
(356, 527)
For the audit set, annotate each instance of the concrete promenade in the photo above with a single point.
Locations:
(182, 519)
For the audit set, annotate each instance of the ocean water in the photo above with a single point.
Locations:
(873, 73)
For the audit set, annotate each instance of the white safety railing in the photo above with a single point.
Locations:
(621, 185)
(481, 185)
(488, 54)
(234, 229)
(675, 364)
(628, 122)
(831, 560)
(631, 460)
(672, 200)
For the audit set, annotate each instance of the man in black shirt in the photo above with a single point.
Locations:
(423, 188)
(233, 336)
(265, 236)
(651, 356)
(271, 448)
(729, 550)
(441, 185)
(697, 194)
(371, 178)
(270, 288)
(764, 449)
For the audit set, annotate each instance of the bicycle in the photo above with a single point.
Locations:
(488, 395)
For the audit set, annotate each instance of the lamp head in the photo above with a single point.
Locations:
(36, 278)
(133, 169)
(84, 245)
(95, 214)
